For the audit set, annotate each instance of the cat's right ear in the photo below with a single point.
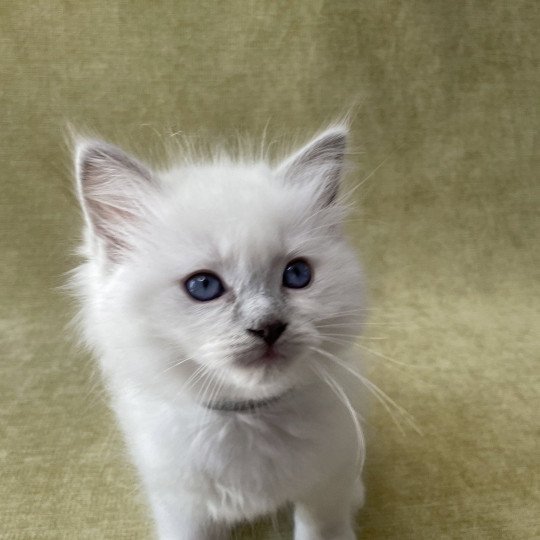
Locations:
(113, 190)
(320, 163)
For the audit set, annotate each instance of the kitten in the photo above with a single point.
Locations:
(216, 297)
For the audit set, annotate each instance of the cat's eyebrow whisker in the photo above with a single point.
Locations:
(329, 224)
(384, 399)
(313, 216)
(332, 223)
(348, 194)
(311, 239)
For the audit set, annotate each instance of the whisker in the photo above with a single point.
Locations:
(359, 324)
(348, 194)
(194, 378)
(380, 355)
(215, 380)
(176, 364)
(356, 336)
(384, 356)
(384, 399)
(342, 396)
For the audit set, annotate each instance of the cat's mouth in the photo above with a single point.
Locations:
(260, 371)
(267, 357)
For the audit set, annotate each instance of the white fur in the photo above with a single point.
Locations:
(164, 355)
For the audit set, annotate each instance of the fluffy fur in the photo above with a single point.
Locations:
(170, 361)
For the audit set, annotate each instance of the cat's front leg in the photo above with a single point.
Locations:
(327, 513)
(184, 522)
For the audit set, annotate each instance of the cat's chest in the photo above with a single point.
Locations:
(237, 464)
(232, 445)
(244, 462)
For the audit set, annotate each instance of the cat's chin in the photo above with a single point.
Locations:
(266, 375)
(250, 388)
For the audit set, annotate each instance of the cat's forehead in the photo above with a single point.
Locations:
(235, 198)
(213, 183)
(238, 215)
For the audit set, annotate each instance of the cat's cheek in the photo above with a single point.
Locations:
(184, 322)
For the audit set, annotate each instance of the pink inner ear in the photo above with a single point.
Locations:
(321, 160)
(112, 191)
(107, 221)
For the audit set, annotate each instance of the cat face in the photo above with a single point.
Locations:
(238, 271)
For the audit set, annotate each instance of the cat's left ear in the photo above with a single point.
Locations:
(321, 162)
(114, 190)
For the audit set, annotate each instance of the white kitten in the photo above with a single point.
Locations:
(216, 297)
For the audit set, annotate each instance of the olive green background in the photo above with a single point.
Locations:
(446, 117)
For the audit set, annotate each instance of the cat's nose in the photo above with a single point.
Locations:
(269, 333)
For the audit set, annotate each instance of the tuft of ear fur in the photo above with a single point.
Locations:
(321, 161)
(113, 189)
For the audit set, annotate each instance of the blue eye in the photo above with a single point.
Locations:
(297, 274)
(204, 287)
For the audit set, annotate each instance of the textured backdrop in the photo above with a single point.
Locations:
(446, 96)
